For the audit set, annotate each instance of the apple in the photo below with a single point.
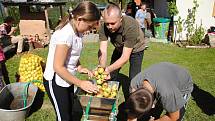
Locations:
(99, 95)
(114, 87)
(108, 90)
(98, 76)
(99, 81)
(104, 85)
(104, 76)
(113, 94)
(106, 94)
(100, 70)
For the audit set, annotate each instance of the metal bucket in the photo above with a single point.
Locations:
(12, 102)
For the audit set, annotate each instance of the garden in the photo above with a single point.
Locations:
(200, 63)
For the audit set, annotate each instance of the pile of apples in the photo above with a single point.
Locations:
(30, 70)
(105, 89)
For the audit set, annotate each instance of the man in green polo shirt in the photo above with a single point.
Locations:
(126, 36)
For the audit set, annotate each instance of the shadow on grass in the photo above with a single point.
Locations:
(204, 100)
(38, 102)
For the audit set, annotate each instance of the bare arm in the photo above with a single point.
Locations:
(122, 60)
(59, 61)
(83, 70)
(102, 54)
(13, 29)
(170, 117)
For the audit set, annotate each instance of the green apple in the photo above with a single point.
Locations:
(104, 85)
(108, 90)
(99, 82)
(100, 70)
(98, 76)
(114, 87)
(113, 94)
(105, 94)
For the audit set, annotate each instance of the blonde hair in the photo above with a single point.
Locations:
(86, 9)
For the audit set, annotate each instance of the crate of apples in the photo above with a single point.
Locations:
(107, 89)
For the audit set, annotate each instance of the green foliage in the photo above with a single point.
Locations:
(172, 8)
(179, 25)
(197, 37)
(190, 21)
(14, 12)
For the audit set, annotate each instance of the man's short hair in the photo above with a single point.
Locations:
(112, 6)
(9, 19)
(139, 103)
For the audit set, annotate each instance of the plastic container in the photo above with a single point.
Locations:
(212, 39)
(12, 101)
(161, 27)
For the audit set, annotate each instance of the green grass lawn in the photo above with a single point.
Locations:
(200, 63)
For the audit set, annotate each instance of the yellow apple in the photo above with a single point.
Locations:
(99, 81)
(113, 94)
(100, 70)
(105, 85)
(114, 87)
(98, 76)
(108, 90)
(106, 94)
(104, 76)
(99, 95)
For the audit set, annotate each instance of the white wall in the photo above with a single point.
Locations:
(203, 14)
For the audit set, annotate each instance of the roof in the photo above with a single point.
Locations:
(11, 3)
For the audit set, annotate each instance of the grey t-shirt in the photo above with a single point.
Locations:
(170, 82)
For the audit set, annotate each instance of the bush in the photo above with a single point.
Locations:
(197, 37)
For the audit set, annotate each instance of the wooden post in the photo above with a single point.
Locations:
(47, 22)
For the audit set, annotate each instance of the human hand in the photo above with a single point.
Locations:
(13, 29)
(107, 72)
(152, 118)
(88, 86)
(86, 71)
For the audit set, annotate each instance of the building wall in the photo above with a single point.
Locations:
(203, 14)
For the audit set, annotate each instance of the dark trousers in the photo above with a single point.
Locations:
(66, 104)
(135, 67)
(5, 72)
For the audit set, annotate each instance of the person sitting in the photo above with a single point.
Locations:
(7, 31)
(161, 86)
